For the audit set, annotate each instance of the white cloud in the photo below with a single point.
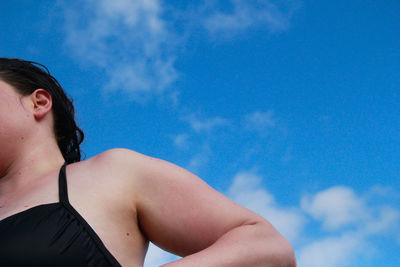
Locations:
(337, 207)
(383, 191)
(338, 247)
(128, 40)
(245, 14)
(260, 122)
(205, 124)
(140, 79)
(200, 159)
(135, 44)
(331, 251)
(246, 189)
(181, 141)
(385, 220)
(207, 127)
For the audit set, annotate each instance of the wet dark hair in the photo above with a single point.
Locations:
(26, 77)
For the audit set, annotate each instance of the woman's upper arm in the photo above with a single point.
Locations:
(181, 213)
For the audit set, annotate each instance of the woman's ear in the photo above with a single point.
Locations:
(42, 103)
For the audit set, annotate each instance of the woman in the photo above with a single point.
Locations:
(57, 210)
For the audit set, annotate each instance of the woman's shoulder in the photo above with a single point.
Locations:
(121, 165)
(115, 158)
(119, 156)
(136, 171)
(110, 175)
(127, 160)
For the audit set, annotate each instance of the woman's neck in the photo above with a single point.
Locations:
(33, 163)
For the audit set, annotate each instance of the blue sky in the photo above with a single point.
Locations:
(290, 108)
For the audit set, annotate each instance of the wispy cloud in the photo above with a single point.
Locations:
(200, 159)
(348, 221)
(201, 125)
(384, 220)
(134, 43)
(260, 121)
(247, 190)
(336, 244)
(351, 222)
(331, 251)
(336, 207)
(242, 15)
(181, 140)
(128, 40)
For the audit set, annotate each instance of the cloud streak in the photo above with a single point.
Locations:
(247, 14)
(128, 40)
(337, 244)
(336, 207)
(350, 221)
(181, 141)
(331, 251)
(204, 125)
(260, 121)
(134, 43)
(246, 189)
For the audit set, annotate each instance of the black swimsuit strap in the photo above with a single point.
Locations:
(63, 192)
(62, 185)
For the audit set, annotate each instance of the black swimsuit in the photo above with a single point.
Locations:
(53, 234)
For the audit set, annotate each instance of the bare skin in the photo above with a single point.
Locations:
(118, 190)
